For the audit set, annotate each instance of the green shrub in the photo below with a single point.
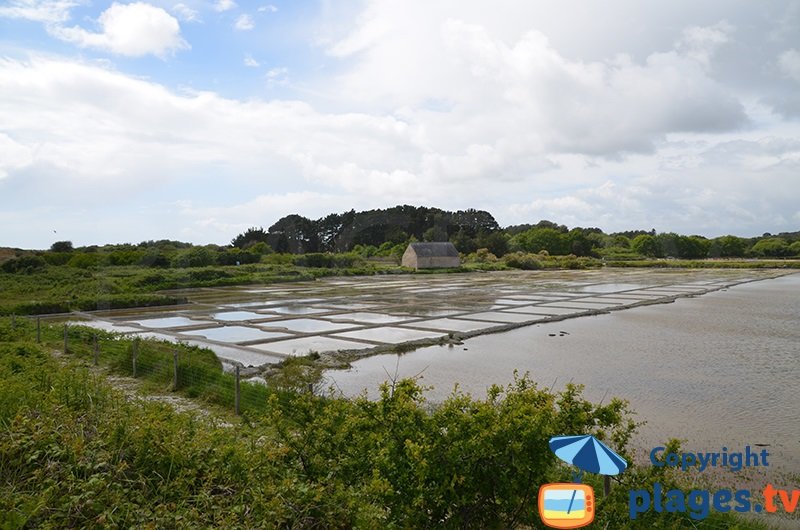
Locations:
(24, 264)
(326, 260)
(522, 260)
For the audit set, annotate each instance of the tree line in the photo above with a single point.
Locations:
(297, 240)
(379, 232)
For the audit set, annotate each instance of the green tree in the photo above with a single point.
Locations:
(693, 247)
(621, 242)
(463, 243)
(727, 247)
(61, 246)
(771, 247)
(250, 237)
(646, 245)
(496, 242)
(577, 242)
(537, 239)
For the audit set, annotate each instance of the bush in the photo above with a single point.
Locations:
(125, 257)
(193, 257)
(482, 255)
(154, 258)
(326, 261)
(84, 260)
(57, 258)
(24, 264)
(522, 260)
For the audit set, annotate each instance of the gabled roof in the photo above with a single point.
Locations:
(434, 250)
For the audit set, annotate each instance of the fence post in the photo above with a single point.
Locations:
(66, 341)
(96, 350)
(237, 394)
(134, 355)
(175, 370)
(606, 485)
(38, 330)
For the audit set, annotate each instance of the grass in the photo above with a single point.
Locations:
(56, 289)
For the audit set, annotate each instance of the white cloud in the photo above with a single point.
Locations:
(47, 11)
(700, 43)
(277, 76)
(525, 96)
(244, 22)
(250, 62)
(135, 30)
(224, 5)
(789, 63)
(13, 155)
(186, 13)
(269, 8)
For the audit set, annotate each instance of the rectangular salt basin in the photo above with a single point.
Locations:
(235, 334)
(235, 316)
(639, 294)
(579, 305)
(496, 316)
(247, 304)
(451, 324)
(389, 335)
(104, 326)
(168, 322)
(225, 353)
(306, 345)
(369, 318)
(353, 306)
(307, 325)
(539, 311)
(296, 310)
(517, 300)
(418, 311)
(610, 287)
(608, 300)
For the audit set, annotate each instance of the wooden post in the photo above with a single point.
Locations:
(66, 341)
(38, 330)
(175, 370)
(237, 392)
(606, 485)
(134, 355)
(96, 350)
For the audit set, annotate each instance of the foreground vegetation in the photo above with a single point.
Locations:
(75, 453)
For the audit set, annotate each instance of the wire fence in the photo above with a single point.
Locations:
(159, 366)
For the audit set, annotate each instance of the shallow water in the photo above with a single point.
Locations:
(720, 370)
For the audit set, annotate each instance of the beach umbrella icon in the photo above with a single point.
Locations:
(588, 453)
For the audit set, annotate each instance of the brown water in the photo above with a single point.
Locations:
(719, 370)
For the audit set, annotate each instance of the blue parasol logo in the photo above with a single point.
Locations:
(587, 453)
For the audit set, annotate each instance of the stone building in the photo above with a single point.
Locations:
(431, 256)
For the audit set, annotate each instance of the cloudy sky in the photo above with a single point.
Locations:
(195, 119)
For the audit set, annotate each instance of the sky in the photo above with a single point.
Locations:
(196, 119)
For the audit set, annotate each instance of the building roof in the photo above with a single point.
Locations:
(434, 250)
